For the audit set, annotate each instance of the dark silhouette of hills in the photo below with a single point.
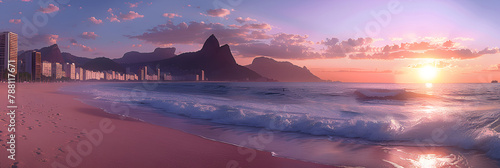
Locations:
(217, 62)
(79, 61)
(137, 57)
(51, 54)
(103, 64)
(282, 71)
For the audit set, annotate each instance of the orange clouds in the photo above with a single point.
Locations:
(15, 21)
(89, 35)
(133, 5)
(113, 17)
(49, 9)
(171, 15)
(131, 15)
(243, 20)
(218, 12)
(95, 21)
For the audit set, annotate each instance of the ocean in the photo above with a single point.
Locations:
(342, 124)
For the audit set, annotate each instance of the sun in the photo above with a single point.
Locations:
(428, 73)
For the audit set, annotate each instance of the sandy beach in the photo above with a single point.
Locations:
(56, 130)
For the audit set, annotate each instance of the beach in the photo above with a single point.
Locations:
(57, 130)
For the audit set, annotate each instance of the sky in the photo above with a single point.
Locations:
(383, 41)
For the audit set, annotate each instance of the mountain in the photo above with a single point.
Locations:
(79, 61)
(137, 57)
(103, 64)
(217, 62)
(282, 71)
(52, 54)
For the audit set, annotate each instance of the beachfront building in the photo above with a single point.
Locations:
(202, 75)
(57, 71)
(79, 73)
(70, 70)
(46, 69)
(158, 75)
(131, 77)
(8, 51)
(109, 75)
(92, 75)
(167, 77)
(144, 73)
(36, 66)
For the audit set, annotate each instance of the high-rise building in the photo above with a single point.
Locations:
(70, 70)
(144, 73)
(158, 74)
(202, 75)
(57, 70)
(8, 51)
(79, 71)
(46, 69)
(36, 66)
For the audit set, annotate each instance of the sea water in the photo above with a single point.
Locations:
(329, 123)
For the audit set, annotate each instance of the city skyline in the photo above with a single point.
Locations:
(382, 41)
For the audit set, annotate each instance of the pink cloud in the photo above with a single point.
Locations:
(131, 15)
(84, 47)
(26, 0)
(197, 32)
(95, 21)
(15, 21)
(243, 20)
(53, 38)
(218, 12)
(257, 26)
(49, 9)
(289, 46)
(438, 51)
(136, 45)
(133, 5)
(89, 35)
(46, 39)
(40, 40)
(113, 17)
(171, 15)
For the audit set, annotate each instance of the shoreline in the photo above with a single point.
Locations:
(56, 130)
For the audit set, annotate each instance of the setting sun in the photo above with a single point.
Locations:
(428, 73)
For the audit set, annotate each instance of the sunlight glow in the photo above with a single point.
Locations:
(428, 72)
(433, 161)
(427, 161)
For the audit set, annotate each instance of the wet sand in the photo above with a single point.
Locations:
(56, 130)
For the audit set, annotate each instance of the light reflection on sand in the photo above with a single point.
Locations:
(415, 158)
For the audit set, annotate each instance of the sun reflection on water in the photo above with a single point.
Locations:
(428, 85)
(434, 161)
(415, 158)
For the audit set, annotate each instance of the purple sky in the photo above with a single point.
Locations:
(320, 34)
